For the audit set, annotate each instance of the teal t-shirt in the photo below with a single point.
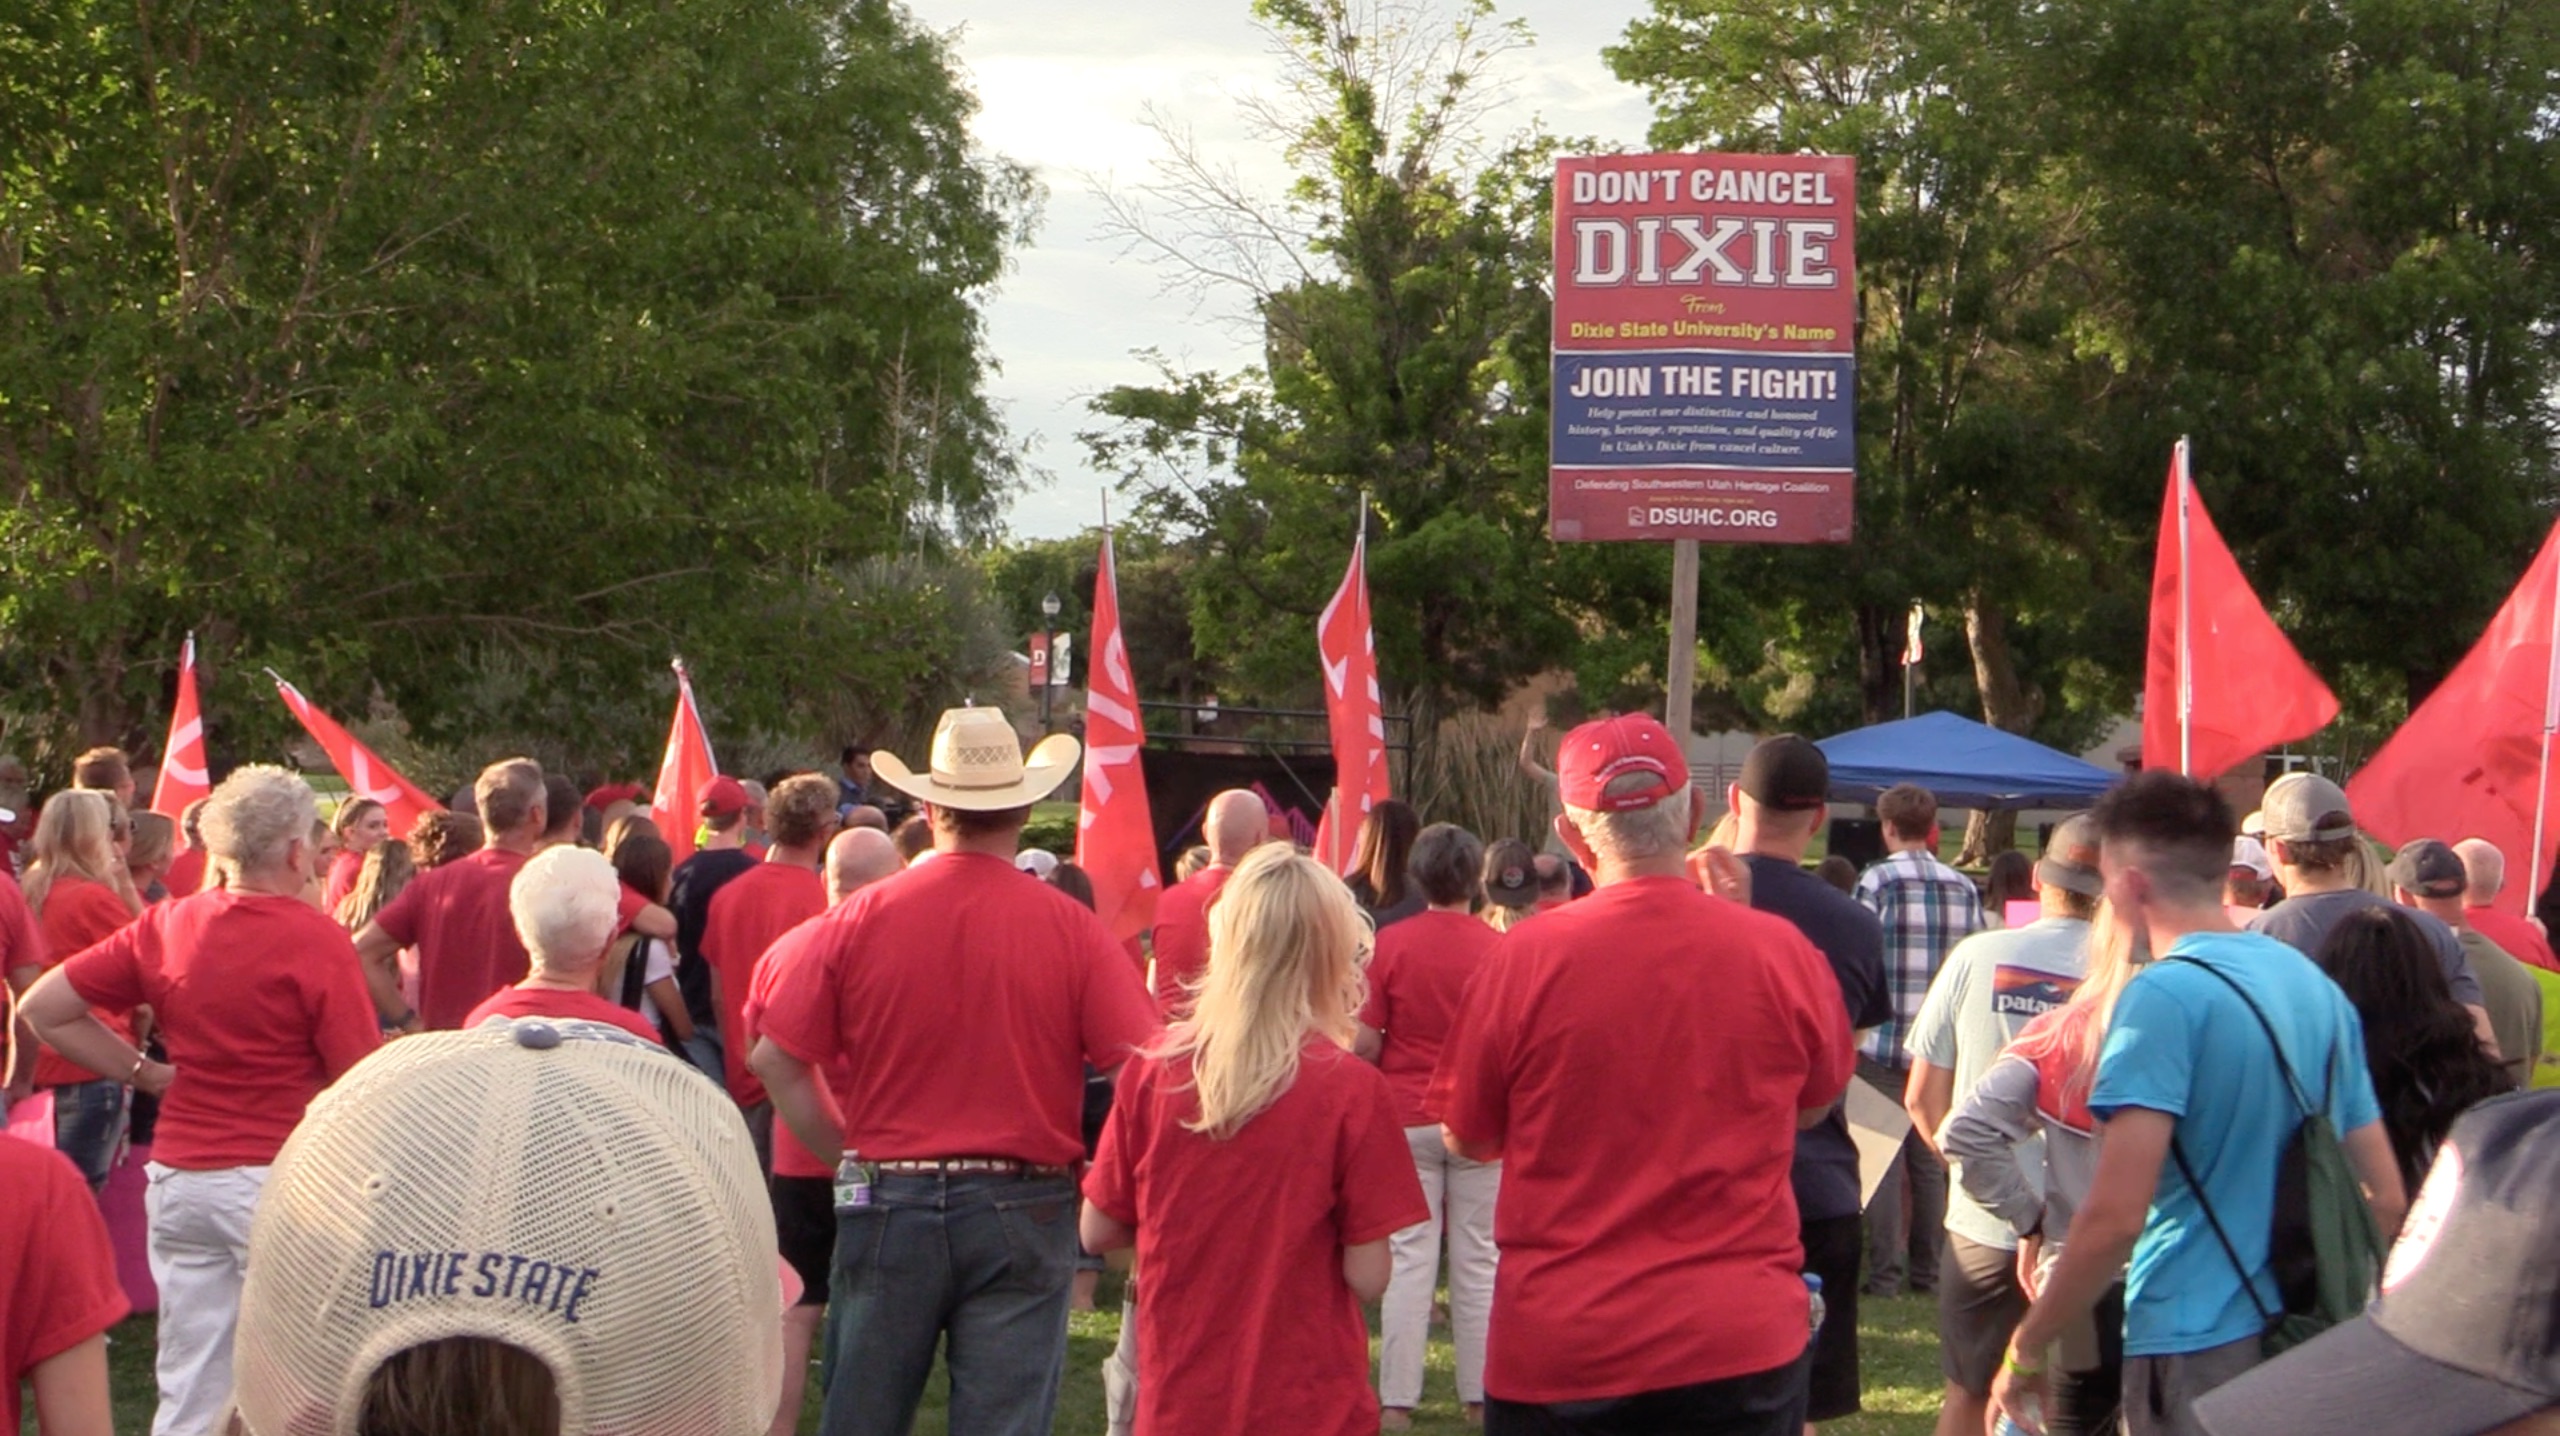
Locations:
(2182, 1043)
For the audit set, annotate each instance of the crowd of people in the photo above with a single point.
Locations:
(512, 1123)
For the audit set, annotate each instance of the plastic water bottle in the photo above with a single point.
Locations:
(2007, 1427)
(1813, 1293)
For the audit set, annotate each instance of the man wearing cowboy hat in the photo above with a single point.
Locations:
(961, 1003)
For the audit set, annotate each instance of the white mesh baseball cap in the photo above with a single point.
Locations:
(555, 1185)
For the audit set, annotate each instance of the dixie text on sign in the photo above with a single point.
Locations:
(1704, 335)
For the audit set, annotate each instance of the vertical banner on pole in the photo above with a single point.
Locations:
(1704, 356)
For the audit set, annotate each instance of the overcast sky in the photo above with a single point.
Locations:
(1063, 85)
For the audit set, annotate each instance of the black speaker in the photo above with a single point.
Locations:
(1860, 840)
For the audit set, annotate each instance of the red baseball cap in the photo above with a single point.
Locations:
(1602, 752)
(721, 796)
(612, 793)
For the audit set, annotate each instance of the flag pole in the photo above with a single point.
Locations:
(2542, 777)
(2186, 664)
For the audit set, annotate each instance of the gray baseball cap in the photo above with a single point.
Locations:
(2307, 808)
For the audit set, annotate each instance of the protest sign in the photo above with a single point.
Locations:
(1705, 329)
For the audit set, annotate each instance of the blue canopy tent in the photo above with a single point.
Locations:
(1967, 764)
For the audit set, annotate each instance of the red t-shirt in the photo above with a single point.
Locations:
(1182, 935)
(185, 874)
(631, 904)
(57, 1273)
(79, 913)
(21, 939)
(1639, 1058)
(1420, 971)
(2515, 936)
(1248, 1324)
(344, 869)
(560, 1002)
(965, 1002)
(791, 1157)
(261, 1002)
(747, 914)
(456, 917)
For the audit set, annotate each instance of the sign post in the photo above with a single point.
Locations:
(1704, 381)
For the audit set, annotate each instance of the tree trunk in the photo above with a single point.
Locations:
(2007, 705)
(1879, 686)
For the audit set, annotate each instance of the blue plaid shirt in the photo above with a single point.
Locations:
(1926, 908)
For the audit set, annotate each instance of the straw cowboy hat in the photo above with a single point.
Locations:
(978, 765)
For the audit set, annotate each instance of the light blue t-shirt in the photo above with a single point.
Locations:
(1993, 985)
(2183, 1043)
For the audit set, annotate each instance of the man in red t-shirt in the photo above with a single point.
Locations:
(59, 1276)
(2484, 867)
(456, 915)
(1641, 1061)
(762, 904)
(963, 1001)
(1236, 824)
(564, 904)
(22, 960)
(803, 1188)
(261, 1003)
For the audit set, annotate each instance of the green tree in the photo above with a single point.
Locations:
(397, 344)
(2325, 239)
(1397, 294)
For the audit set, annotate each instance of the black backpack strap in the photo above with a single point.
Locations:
(2222, 1238)
(2301, 1098)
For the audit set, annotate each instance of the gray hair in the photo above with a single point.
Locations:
(507, 794)
(2485, 868)
(258, 813)
(1637, 834)
(563, 901)
(1447, 864)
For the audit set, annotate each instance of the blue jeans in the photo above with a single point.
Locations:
(88, 1123)
(977, 1265)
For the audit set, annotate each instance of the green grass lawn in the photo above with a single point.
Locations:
(1899, 1339)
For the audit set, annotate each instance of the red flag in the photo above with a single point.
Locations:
(687, 765)
(1115, 831)
(366, 774)
(2217, 660)
(2468, 763)
(1353, 712)
(183, 777)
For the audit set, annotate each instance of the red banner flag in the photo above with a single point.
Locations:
(1354, 712)
(367, 775)
(1115, 830)
(673, 804)
(2224, 684)
(183, 775)
(2471, 762)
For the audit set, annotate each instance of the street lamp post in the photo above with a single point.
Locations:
(1048, 653)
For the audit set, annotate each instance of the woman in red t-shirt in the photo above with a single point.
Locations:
(80, 893)
(361, 826)
(1252, 1153)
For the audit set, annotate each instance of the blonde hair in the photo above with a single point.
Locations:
(75, 836)
(387, 869)
(351, 812)
(1287, 951)
(2117, 950)
(1504, 919)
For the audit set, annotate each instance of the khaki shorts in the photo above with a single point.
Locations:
(1979, 1306)
(2160, 1391)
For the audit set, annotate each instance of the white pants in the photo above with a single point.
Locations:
(1120, 1369)
(199, 1252)
(1460, 1194)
